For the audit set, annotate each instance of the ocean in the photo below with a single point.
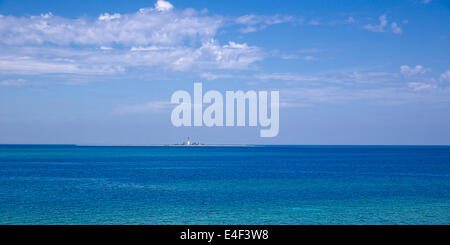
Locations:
(68, 184)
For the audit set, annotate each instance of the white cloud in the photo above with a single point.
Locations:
(419, 86)
(107, 16)
(145, 27)
(150, 39)
(349, 78)
(426, 1)
(309, 57)
(34, 66)
(343, 87)
(13, 82)
(374, 95)
(379, 27)
(350, 19)
(252, 19)
(212, 55)
(213, 76)
(418, 69)
(445, 76)
(47, 15)
(336, 94)
(289, 77)
(259, 22)
(151, 48)
(395, 28)
(249, 19)
(162, 5)
(250, 29)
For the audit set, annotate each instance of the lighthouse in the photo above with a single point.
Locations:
(189, 141)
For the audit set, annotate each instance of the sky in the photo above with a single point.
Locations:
(103, 72)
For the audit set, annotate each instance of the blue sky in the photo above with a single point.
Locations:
(348, 72)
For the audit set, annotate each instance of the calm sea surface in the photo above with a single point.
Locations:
(225, 185)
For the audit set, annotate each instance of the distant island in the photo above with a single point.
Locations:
(188, 142)
(184, 143)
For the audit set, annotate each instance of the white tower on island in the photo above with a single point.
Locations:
(189, 141)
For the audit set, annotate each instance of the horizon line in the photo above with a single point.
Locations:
(156, 145)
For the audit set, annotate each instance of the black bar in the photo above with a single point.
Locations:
(173, 234)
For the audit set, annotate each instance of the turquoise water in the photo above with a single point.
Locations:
(225, 185)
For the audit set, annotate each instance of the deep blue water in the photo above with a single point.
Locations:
(224, 185)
